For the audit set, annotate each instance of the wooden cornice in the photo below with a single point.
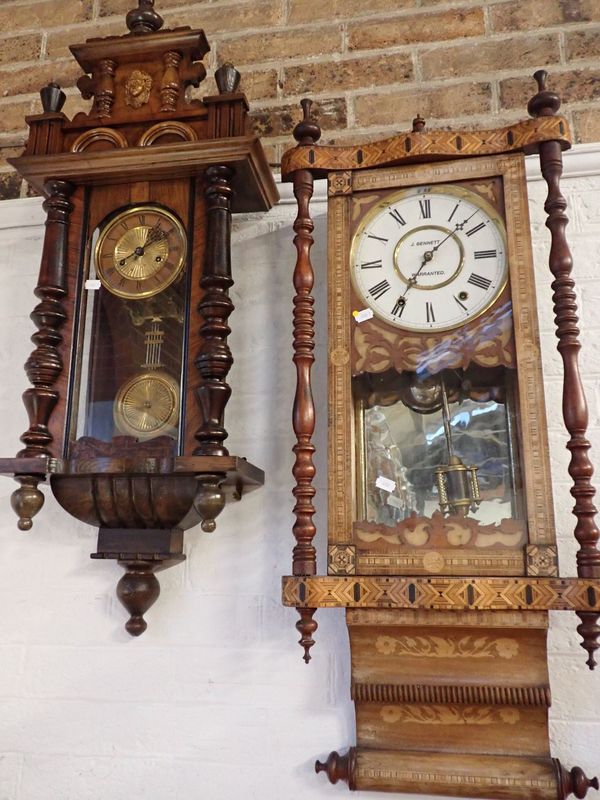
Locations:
(413, 146)
(253, 183)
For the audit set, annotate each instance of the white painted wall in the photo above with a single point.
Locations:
(214, 700)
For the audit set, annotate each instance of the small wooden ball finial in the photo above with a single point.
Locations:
(418, 124)
(307, 131)
(144, 19)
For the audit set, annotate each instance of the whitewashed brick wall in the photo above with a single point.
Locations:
(214, 701)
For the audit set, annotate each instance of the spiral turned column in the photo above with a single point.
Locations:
(574, 405)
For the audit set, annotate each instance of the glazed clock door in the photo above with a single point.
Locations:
(433, 421)
(134, 306)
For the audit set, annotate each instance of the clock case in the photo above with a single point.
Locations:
(144, 141)
(449, 673)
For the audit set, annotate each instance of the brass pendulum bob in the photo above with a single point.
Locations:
(457, 484)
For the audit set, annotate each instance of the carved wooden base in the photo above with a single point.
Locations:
(452, 703)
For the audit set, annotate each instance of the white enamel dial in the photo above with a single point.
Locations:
(430, 258)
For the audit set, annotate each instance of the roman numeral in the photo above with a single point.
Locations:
(476, 229)
(371, 264)
(379, 289)
(138, 286)
(397, 216)
(425, 206)
(142, 219)
(460, 303)
(453, 212)
(479, 281)
(379, 238)
(429, 311)
(124, 225)
(399, 307)
(485, 254)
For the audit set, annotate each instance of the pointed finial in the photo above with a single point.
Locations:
(307, 131)
(418, 124)
(306, 626)
(227, 78)
(545, 103)
(144, 18)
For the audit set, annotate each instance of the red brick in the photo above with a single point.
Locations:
(280, 120)
(583, 44)
(519, 16)
(470, 58)
(573, 87)
(26, 47)
(355, 73)
(411, 29)
(279, 45)
(25, 80)
(215, 19)
(44, 14)
(399, 108)
(302, 11)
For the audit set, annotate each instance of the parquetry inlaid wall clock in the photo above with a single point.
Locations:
(441, 537)
(129, 370)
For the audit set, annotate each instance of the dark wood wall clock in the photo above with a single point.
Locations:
(441, 536)
(129, 370)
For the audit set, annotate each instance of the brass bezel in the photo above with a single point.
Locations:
(157, 376)
(109, 226)
(457, 191)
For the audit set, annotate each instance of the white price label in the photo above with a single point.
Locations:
(362, 316)
(92, 284)
(385, 483)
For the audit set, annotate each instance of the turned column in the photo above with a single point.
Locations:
(307, 132)
(214, 359)
(44, 365)
(574, 405)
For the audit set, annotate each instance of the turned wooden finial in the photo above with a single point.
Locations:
(53, 98)
(144, 18)
(227, 78)
(339, 768)
(138, 590)
(545, 103)
(307, 131)
(418, 124)
(573, 781)
(306, 626)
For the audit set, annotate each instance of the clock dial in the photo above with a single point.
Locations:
(147, 405)
(140, 252)
(430, 258)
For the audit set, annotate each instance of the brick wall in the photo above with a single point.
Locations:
(371, 65)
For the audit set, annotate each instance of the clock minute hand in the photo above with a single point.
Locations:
(457, 227)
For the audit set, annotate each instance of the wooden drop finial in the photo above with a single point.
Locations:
(306, 626)
(573, 781)
(418, 124)
(545, 103)
(138, 590)
(339, 768)
(307, 131)
(144, 19)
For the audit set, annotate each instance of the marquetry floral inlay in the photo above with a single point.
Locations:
(449, 715)
(441, 647)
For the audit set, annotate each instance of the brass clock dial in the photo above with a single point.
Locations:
(147, 405)
(430, 258)
(140, 252)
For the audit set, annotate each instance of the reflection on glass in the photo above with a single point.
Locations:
(407, 438)
(130, 365)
